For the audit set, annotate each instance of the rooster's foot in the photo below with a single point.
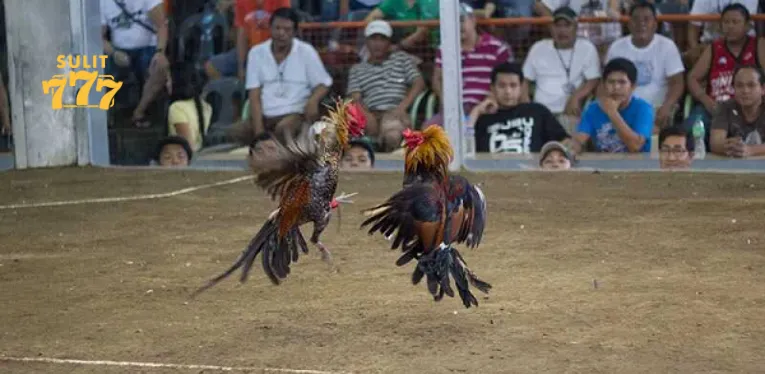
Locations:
(326, 256)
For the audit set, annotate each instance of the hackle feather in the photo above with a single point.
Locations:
(428, 151)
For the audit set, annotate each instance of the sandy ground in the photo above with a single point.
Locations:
(677, 259)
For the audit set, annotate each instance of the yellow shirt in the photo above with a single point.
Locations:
(184, 111)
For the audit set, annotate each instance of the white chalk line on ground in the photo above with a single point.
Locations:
(49, 360)
(128, 198)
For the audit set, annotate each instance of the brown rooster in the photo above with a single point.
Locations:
(303, 175)
(430, 213)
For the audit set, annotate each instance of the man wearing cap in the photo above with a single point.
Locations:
(359, 156)
(386, 85)
(567, 62)
(555, 156)
(481, 52)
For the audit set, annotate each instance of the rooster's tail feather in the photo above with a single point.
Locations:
(277, 254)
(437, 267)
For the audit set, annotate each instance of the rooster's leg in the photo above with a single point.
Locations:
(318, 228)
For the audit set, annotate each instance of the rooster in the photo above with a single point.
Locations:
(303, 175)
(431, 212)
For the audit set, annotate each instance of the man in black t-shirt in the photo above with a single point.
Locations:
(504, 125)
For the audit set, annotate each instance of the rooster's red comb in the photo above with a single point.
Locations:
(357, 121)
(412, 138)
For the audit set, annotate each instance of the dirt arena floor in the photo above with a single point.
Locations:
(592, 273)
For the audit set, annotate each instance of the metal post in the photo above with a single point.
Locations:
(451, 59)
(91, 123)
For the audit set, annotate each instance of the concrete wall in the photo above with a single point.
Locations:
(37, 32)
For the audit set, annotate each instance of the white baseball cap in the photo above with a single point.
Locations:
(378, 27)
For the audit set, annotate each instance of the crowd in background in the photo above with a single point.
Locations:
(597, 87)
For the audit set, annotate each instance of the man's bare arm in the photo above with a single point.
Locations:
(159, 20)
(256, 111)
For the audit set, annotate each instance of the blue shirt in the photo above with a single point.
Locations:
(638, 115)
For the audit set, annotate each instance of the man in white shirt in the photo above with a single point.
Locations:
(138, 40)
(712, 30)
(660, 79)
(286, 79)
(566, 62)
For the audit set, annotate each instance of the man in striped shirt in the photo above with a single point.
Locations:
(386, 85)
(480, 54)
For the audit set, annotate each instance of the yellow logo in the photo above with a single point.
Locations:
(58, 82)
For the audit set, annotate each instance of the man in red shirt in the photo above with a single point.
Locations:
(481, 52)
(251, 20)
(718, 62)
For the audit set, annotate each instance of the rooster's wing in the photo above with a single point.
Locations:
(286, 175)
(416, 214)
(473, 210)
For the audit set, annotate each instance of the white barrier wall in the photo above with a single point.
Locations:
(38, 31)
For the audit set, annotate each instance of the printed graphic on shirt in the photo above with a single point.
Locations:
(512, 136)
(645, 72)
(125, 20)
(608, 140)
(722, 86)
(259, 18)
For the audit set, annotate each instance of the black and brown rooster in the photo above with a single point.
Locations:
(303, 175)
(430, 214)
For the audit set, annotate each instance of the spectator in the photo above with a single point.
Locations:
(676, 146)
(349, 11)
(564, 61)
(360, 156)
(516, 34)
(504, 124)
(347, 6)
(174, 151)
(139, 35)
(660, 68)
(718, 62)
(480, 54)
(555, 156)
(483, 8)
(738, 126)
(600, 34)
(286, 79)
(408, 10)
(677, 31)
(618, 121)
(712, 30)
(386, 85)
(189, 116)
(252, 20)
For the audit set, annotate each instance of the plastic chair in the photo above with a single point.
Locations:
(687, 106)
(431, 106)
(415, 108)
(225, 90)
